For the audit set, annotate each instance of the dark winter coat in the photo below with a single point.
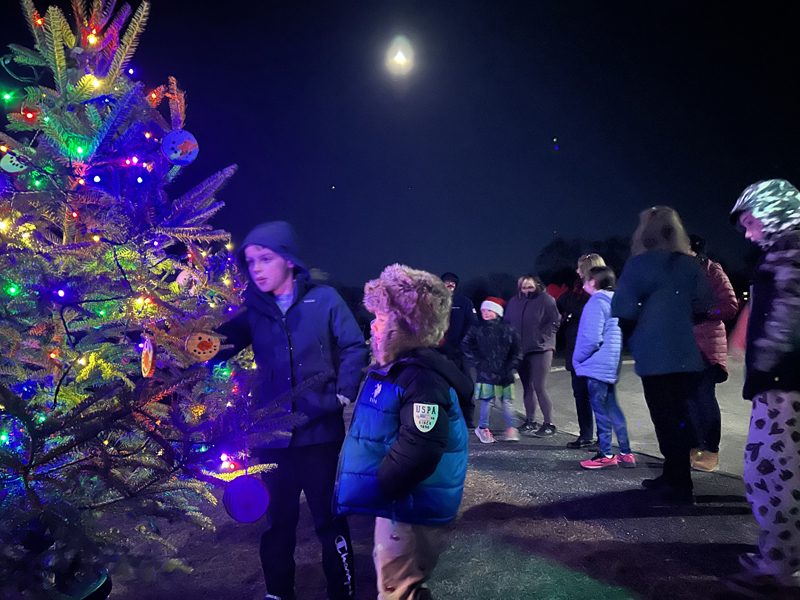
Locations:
(536, 319)
(662, 293)
(318, 334)
(710, 332)
(571, 305)
(494, 349)
(462, 317)
(399, 461)
(772, 359)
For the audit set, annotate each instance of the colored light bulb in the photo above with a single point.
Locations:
(40, 22)
(26, 235)
(79, 149)
(153, 95)
(139, 180)
(81, 181)
(92, 39)
(97, 178)
(3, 148)
(135, 160)
(52, 355)
(96, 238)
(3, 437)
(29, 115)
(3, 225)
(74, 215)
(81, 361)
(37, 183)
(130, 71)
(223, 456)
(148, 135)
(12, 290)
(6, 96)
(102, 313)
(61, 293)
(127, 161)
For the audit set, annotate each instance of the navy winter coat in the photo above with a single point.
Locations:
(405, 457)
(662, 293)
(599, 343)
(318, 334)
(462, 317)
(494, 349)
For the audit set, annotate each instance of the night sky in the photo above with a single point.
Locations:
(680, 104)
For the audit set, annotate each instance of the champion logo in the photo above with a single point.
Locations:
(341, 548)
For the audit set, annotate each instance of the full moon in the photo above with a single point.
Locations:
(400, 57)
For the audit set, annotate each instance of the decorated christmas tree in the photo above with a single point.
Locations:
(103, 407)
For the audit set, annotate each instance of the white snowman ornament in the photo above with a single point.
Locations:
(11, 164)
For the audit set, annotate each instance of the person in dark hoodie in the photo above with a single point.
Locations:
(405, 458)
(298, 329)
(462, 317)
(769, 214)
(534, 315)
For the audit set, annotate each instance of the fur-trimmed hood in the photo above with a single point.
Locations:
(774, 202)
(417, 304)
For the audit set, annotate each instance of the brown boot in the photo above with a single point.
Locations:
(706, 461)
(694, 455)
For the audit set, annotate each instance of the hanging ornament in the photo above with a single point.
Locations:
(148, 354)
(179, 147)
(246, 499)
(202, 346)
(11, 164)
(188, 280)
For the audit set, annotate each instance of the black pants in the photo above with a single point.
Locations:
(667, 397)
(311, 469)
(704, 411)
(583, 407)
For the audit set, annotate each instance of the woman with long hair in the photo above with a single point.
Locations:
(571, 306)
(534, 315)
(661, 290)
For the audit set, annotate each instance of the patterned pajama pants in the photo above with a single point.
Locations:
(772, 482)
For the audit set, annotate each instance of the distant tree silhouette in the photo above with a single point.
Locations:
(500, 285)
(557, 261)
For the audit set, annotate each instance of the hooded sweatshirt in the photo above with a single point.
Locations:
(773, 331)
(405, 457)
(536, 320)
(317, 335)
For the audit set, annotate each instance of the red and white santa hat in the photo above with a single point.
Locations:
(498, 305)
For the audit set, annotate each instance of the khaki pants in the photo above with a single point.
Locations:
(405, 556)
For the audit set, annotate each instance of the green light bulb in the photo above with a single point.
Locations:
(37, 183)
(4, 437)
(80, 150)
(12, 290)
(102, 313)
(6, 96)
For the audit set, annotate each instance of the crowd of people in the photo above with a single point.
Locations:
(404, 458)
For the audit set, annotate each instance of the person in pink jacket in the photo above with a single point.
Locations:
(712, 341)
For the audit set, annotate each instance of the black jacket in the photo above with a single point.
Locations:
(494, 349)
(462, 317)
(772, 360)
(535, 319)
(571, 306)
(318, 334)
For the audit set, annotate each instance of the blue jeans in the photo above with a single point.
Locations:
(608, 416)
(504, 394)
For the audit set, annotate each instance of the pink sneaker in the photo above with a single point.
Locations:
(600, 461)
(627, 461)
(484, 435)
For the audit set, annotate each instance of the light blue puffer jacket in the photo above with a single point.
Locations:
(599, 343)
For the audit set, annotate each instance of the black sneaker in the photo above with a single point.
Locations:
(659, 483)
(579, 443)
(546, 430)
(528, 426)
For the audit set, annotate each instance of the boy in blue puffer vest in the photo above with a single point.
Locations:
(597, 357)
(405, 458)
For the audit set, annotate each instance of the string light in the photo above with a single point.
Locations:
(74, 214)
(40, 22)
(96, 82)
(127, 161)
(153, 95)
(53, 355)
(37, 183)
(148, 135)
(96, 238)
(102, 313)
(229, 246)
(97, 178)
(13, 290)
(130, 71)
(6, 96)
(3, 148)
(139, 180)
(61, 293)
(26, 235)
(81, 361)
(135, 160)
(92, 39)
(29, 115)
(81, 181)
(3, 225)
(79, 150)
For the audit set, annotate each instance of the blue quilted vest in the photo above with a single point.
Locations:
(376, 421)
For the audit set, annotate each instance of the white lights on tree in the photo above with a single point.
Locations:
(400, 57)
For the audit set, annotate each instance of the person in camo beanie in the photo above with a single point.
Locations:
(768, 212)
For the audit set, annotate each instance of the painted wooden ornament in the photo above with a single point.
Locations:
(179, 147)
(148, 358)
(11, 164)
(188, 280)
(202, 346)
(246, 499)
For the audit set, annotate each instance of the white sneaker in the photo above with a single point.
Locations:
(484, 435)
(512, 434)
